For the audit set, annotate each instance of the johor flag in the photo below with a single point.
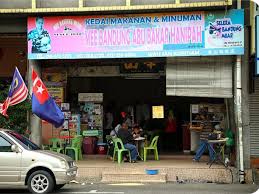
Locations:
(42, 103)
(17, 93)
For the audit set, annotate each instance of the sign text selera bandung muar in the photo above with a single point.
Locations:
(137, 35)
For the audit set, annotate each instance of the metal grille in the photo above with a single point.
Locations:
(254, 120)
(71, 164)
(199, 77)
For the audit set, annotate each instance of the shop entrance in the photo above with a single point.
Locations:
(137, 86)
(137, 97)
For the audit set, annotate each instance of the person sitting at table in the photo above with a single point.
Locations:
(127, 139)
(137, 131)
(113, 134)
(203, 145)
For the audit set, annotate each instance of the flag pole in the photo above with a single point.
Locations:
(52, 131)
(30, 96)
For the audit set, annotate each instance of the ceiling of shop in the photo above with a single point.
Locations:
(13, 51)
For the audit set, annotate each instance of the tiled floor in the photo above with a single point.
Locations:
(175, 161)
(94, 167)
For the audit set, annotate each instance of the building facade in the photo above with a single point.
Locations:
(196, 70)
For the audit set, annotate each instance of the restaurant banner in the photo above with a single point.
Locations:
(137, 35)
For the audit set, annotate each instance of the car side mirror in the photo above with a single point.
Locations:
(15, 148)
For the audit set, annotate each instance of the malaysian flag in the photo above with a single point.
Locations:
(17, 93)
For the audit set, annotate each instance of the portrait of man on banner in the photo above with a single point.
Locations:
(40, 37)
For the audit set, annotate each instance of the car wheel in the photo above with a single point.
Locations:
(40, 182)
(57, 187)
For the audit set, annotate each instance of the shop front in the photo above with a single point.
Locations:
(168, 72)
(106, 88)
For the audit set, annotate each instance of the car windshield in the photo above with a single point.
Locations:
(25, 142)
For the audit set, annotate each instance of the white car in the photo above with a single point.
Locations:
(23, 163)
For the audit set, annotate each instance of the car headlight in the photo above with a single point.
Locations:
(64, 164)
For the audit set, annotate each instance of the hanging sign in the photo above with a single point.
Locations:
(143, 66)
(137, 35)
(90, 97)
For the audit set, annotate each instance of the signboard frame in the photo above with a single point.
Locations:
(169, 34)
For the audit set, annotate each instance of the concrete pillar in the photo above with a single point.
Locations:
(245, 102)
(242, 99)
(231, 114)
(242, 109)
(35, 122)
(238, 118)
(245, 90)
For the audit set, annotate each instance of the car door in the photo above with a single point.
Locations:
(10, 162)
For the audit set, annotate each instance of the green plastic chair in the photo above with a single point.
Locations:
(45, 146)
(76, 148)
(119, 148)
(56, 145)
(152, 146)
(81, 138)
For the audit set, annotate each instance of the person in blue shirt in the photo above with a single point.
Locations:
(203, 144)
(40, 38)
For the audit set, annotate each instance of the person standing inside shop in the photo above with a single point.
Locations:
(127, 139)
(108, 122)
(128, 121)
(170, 132)
(203, 144)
